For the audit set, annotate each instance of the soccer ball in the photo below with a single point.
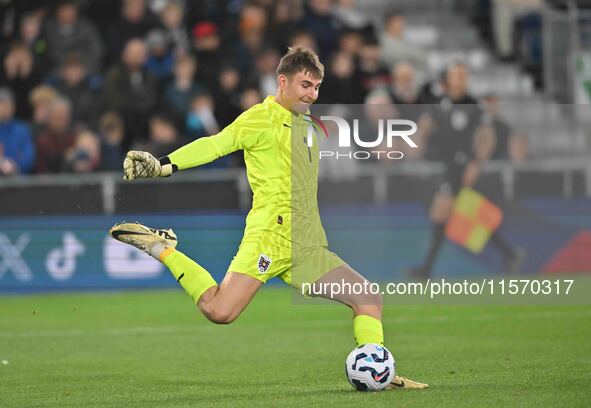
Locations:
(370, 367)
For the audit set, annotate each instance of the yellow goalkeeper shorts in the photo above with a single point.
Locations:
(265, 255)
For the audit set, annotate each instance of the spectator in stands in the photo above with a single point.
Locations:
(85, 155)
(282, 23)
(320, 22)
(250, 96)
(403, 86)
(177, 36)
(372, 73)
(81, 89)
(342, 84)
(266, 64)
(207, 49)
(31, 34)
(20, 74)
(68, 33)
(134, 22)
(305, 39)
(396, 48)
(131, 90)
(103, 14)
(12, 12)
(200, 120)
(351, 41)
(58, 136)
(404, 93)
(9, 13)
(350, 14)
(164, 136)
(112, 132)
(251, 37)
(160, 58)
(17, 150)
(253, 22)
(40, 99)
(183, 88)
(378, 106)
(227, 95)
(208, 10)
(505, 13)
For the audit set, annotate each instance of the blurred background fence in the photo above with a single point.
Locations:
(228, 189)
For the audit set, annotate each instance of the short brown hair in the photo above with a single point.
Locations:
(110, 120)
(41, 94)
(300, 59)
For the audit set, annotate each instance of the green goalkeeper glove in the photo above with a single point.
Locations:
(143, 165)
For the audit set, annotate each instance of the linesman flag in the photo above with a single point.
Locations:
(473, 220)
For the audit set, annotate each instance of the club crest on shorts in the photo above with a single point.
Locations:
(264, 263)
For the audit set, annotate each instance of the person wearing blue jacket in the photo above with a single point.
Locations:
(17, 150)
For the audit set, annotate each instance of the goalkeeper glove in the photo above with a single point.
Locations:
(143, 165)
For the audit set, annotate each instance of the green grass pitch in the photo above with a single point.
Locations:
(153, 349)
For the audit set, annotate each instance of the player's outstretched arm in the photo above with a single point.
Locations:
(139, 164)
(243, 133)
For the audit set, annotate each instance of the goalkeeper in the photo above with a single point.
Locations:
(284, 236)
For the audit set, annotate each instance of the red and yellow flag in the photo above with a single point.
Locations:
(473, 220)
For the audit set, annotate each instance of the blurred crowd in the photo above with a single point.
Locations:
(82, 82)
(514, 28)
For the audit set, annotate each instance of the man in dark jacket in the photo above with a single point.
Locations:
(131, 90)
(67, 33)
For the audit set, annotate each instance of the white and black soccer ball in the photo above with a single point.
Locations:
(370, 367)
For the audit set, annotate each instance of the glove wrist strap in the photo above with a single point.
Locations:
(167, 168)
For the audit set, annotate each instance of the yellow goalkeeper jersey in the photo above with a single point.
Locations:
(281, 156)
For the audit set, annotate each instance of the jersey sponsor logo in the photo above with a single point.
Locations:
(264, 263)
(279, 220)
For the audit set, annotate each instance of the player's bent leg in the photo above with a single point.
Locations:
(260, 257)
(219, 304)
(367, 306)
(223, 304)
(365, 303)
(367, 309)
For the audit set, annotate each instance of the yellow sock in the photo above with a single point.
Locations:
(192, 277)
(368, 329)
